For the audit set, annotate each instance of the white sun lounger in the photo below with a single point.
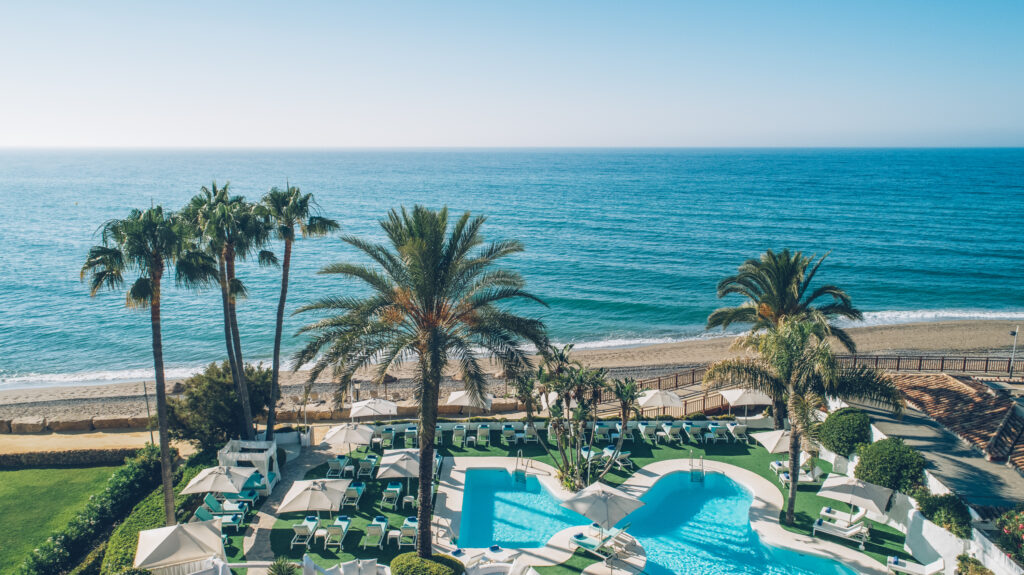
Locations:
(857, 532)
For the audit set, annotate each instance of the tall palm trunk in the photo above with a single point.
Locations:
(243, 385)
(272, 402)
(431, 372)
(778, 409)
(794, 464)
(161, 401)
(223, 277)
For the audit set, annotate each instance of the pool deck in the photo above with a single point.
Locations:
(765, 509)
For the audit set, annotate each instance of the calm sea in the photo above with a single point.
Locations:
(625, 245)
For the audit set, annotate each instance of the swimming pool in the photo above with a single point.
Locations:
(685, 527)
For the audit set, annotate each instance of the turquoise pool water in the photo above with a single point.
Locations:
(686, 527)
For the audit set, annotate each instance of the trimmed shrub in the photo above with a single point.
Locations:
(844, 430)
(208, 413)
(698, 416)
(947, 511)
(890, 463)
(63, 550)
(412, 564)
(73, 458)
(724, 417)
(967, 565)
(1011, 533)
(149, 514)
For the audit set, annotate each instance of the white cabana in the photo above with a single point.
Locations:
(314, 495)
(347, 435)
(603, 504)
(220, 479)
(465, 399)
(375, 407)
(399, 463)
(179, 549)
(658, 398)
(858, 493)
(260, 454)
(773, 441)
(745, 398)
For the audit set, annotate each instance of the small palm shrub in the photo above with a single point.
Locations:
(282, 566)
(844, 430)
(890, 463)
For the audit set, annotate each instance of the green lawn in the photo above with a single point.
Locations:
(36, 502)
(884, 542)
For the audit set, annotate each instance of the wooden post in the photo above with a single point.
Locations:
(897, 363)
(659, 382)
(920, 362)
(942, 363)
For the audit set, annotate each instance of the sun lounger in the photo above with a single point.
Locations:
(623, 462)
(365, 468)
(249, 496)
(387, 438)
(391, 495)
(780, 465)
(459, 436)
(353, 494)
(897, 565)
(696, 433)
(438, 436)
(739, 432)
(530, 435)
(842, 518)
(337, 531)
(225, 508)
(335, 467)
(858, 532)
(408, 534)
(804, 477)
(234, 521)
(375, 533)
(304, 532)
(595, 544)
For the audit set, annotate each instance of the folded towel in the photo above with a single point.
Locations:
(380, 518)
(579, 536)
(828, 510)
(495, 548)
(818, 522)
(311, 518)
(343, 517)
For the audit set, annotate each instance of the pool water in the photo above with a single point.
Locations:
(685, 527)
(497, 511)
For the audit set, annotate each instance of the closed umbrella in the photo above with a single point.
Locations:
(347, 435)
(220, 479)
(314, 495)
(858, 493)
(179, 545)
(373, 408)
(773, 441)
(744, 397)
(398, 463)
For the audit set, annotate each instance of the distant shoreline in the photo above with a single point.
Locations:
(962, 337)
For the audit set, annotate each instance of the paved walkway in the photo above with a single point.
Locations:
(956, 464)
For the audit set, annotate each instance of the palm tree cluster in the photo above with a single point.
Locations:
(202, 243)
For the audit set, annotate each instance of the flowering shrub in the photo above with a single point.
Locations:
(1011, 533)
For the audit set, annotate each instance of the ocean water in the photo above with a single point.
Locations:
(626, 246)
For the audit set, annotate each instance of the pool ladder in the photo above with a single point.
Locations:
(520, 472)
(696, 472)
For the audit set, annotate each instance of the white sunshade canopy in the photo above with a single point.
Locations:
(773, 441)
(373, 407)
(348, 434)
(220, 479)
(548, 399)
(398, 463)
(179, 544)
(464, 398)
(314, 495)
(858, 493)
(741, 397)
(603, 504)
(658, 398)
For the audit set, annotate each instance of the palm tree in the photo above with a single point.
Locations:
(795, 361)
(148, 243)
(434, 299)
(627, 393)
(776, 290)
(287, 209)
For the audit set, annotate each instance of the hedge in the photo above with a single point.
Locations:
(73, 458)
(844, 430)
(91, 564)
(947, 511)
(149, 514)
(63, 550)
(890, 463)
(412, 564)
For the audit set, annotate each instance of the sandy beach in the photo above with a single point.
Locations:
(934, 338)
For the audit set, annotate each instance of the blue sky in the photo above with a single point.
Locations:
(365, 74)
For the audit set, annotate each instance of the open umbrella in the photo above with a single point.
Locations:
(373, 407)
(773, 441)
(220, 479)
(548, 399)
(858, 493)
(658, 398)
(347, 435)
(314, 495)
(398, 463)
(179, 545)
(603, 504)
(744, 397)
(464, 398)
